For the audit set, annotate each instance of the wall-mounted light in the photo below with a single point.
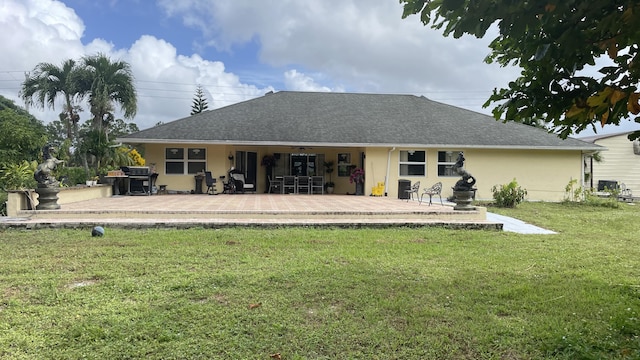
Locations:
(230, 157)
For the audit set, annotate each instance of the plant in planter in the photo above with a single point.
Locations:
(357, 177)
(328, 168)
(18, 176)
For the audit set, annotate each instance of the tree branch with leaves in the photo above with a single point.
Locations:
(555, 43)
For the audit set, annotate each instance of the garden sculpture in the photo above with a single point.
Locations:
(44, 171)
(467, 181)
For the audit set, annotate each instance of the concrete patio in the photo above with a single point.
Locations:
(257, 210)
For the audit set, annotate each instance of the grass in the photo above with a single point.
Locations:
(328, 293)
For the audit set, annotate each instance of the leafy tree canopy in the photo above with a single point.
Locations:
(49, 82)
(21, 135)
(109, 82)
(553, 41)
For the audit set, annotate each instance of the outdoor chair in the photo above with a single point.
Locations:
(274, 185)
(288, 184)
(413, 190)
(211, 183)
(625, 193)
(317, 184)
(436, 189)
(241, 184)
(304, 183)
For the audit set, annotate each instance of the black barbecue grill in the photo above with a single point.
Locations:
(140, 179)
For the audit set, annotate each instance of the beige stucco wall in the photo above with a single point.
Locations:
(618, 163)
(217, 163)
(18, 200)
(544, 173)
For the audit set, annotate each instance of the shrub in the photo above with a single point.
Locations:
(72, 175)
(3, 203)
(137, 158)
(572, 192)
(610, 202)
(578, 194)
(18, 176)
(508, 195)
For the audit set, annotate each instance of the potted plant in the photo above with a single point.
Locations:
(329, 185)
(357, 177)
(93, 181)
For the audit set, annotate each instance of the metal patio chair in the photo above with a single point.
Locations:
(436, 189)
(413, 190)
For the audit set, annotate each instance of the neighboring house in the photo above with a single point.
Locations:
(393, 137)
(621, 161)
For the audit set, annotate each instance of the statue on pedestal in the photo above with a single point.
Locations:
(43, 173)
(467, 181)
(463, 190)
(48, 185)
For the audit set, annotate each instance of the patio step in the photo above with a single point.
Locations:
(479, 214)
(257, 210)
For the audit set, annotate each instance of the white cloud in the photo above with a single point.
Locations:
(167, 82)
(361, 45)
(296, 81)
(48, 31)
(314, 45)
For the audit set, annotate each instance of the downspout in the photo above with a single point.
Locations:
(386, 178)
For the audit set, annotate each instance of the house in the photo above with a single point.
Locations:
(394, 138)
(620, 163)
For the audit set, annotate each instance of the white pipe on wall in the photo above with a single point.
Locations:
(386, 178)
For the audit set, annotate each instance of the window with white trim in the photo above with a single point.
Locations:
(413, 163)
(185, 161)
(446, 160)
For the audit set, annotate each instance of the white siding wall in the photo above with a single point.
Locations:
(618, 163)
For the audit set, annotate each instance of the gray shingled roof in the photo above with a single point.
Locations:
(347, 119)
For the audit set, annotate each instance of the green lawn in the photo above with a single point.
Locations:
(328, 293)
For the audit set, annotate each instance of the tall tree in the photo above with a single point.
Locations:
(554, 42)
(120, 128)
(49, 81)
(21, 135)
(109, 83)
(199, 101)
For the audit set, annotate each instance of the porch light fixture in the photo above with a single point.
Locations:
(230, 157)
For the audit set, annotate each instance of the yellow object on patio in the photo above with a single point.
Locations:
(378, 190)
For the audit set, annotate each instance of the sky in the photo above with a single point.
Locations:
(238, 50)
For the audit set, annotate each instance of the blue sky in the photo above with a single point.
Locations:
(134, 19)
(241, 49)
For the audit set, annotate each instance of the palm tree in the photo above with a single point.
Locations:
(108, 83)
(47, 82)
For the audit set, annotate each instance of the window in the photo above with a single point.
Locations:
(176, 163)
(303, 165)
(413, 163)
(344, 164)
(446, 160)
